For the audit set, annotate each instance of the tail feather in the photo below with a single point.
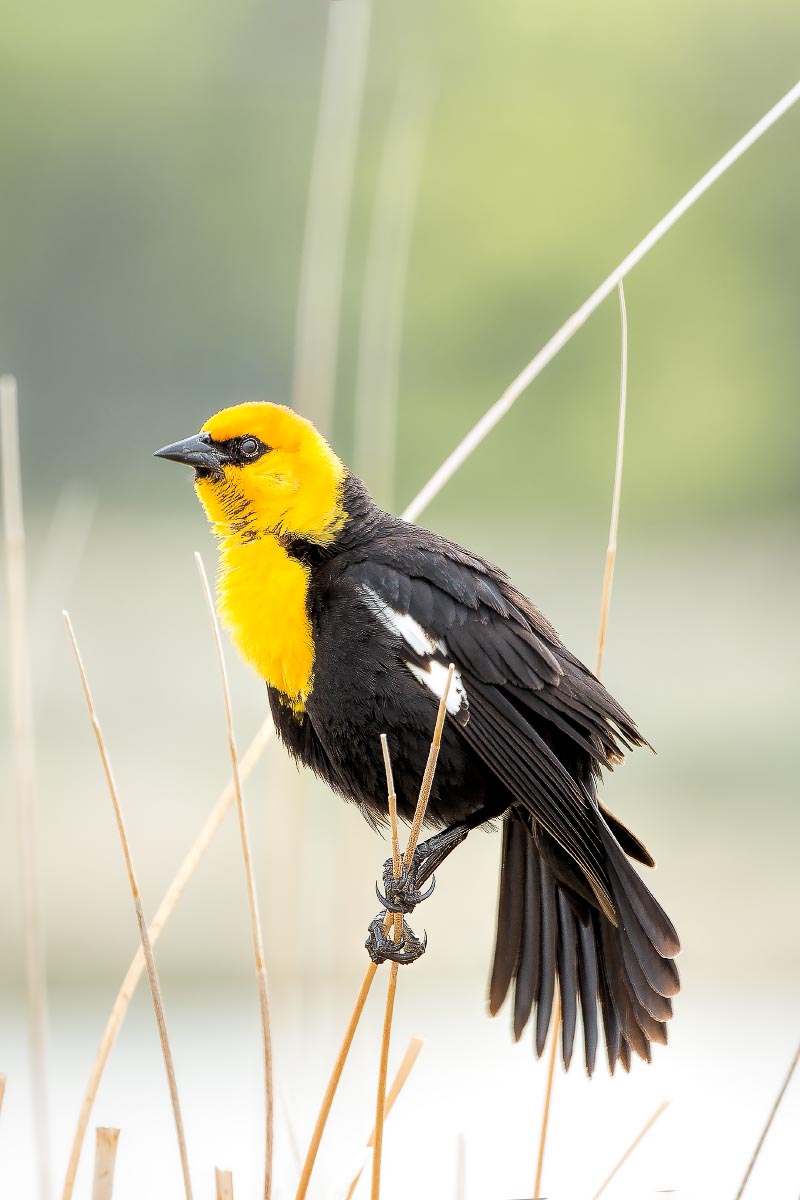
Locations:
(567, 976)
(528, 970)
(619, 973)
(589, 990)
(547, 952)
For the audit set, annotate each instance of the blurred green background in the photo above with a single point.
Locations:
(153, 202)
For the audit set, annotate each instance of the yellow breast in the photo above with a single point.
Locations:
(263, 597)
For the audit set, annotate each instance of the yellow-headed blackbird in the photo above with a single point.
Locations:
(352, 616)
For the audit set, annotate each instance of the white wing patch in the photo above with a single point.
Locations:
(433, 675)
(401, 623)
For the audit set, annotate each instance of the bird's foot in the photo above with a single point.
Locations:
(381, 947)
(404, 893)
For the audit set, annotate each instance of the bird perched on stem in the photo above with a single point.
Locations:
(352, 616)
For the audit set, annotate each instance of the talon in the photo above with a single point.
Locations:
(380, 947)
(389, 905)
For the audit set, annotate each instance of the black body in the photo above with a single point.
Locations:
(529, 744)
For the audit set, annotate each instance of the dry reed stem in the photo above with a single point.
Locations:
(461, 1168)
(147, 948)
(105, 1157)
(398, 1083)
(605, 604)
(252, 898)
(154, 929)
(383, 1061)
(559, 340)
(648, 1125)
(611, 552)
(385, 273)
(369, 974)
(25, 770)
(548, 1094)
(291, 1133)
(328, 209)
(776, 1105)
(383, 1066)
(403, 1072)
(224, 1182)
(3, 1081)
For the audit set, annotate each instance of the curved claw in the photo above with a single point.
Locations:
(388, 904)
(424, 895)
(381, 948)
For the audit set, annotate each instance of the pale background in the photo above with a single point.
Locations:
(155, 175)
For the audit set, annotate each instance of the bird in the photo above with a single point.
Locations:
(352, 617)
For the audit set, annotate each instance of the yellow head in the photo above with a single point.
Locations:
(261, 468)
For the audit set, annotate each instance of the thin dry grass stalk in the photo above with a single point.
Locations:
(224, 1182)
(329, 191)
(648, 1125)
(559, 340)
(461, 1168)
(25, 769)
(383, 1062)
(369, 975)
(776, 1105)
(385, 272)
(403, 1072)
(605, 605)
(105, 1157)
(154, 929)
(383, 1066)
(152, 975)
(252, 898)
(3, 1081)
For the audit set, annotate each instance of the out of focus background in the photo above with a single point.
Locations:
(379, 212)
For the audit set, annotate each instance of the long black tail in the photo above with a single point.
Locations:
(549, 927)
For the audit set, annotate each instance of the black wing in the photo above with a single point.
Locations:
(535, 715)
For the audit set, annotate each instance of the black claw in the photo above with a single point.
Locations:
(380, 947)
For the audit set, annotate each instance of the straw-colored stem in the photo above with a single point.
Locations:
(399, 1081)
(369, 975)
(105, 1157)
(291, 1132)
(403, 1072)
(559, 340)
(383, 1065)
(383, 295)
(611, 552)
(770, 1119)
(224, 1182)
(3, 1081)
(25, 770)
(333, 1082)
(605, 605)
(548, 1095)
(252, 898)
(147, 948)
(383, 1061)
(328, 210)
(648, 1125)
(461, 1168)
(154, 929)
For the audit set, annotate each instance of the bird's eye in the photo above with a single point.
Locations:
(248, 447)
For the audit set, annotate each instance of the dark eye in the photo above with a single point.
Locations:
(249, 447)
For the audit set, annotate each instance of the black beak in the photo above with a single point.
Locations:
(198, 452)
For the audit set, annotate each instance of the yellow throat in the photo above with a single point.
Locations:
(293, 492)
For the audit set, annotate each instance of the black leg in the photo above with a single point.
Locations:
(405, 893)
